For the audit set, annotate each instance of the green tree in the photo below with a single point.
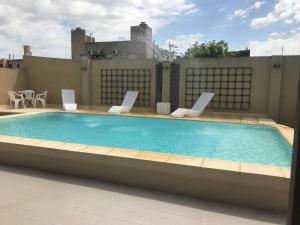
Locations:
(208, 49)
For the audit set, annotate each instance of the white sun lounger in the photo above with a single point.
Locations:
(127, 103)
(198, 107)
(68, 99)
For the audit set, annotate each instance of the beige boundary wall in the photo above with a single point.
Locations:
(289, 87)
(119, 67)
(11, 79)
(53, 75)
(83, 76)
(260, 77)
(273, 85)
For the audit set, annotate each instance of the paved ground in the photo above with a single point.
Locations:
(29, 197)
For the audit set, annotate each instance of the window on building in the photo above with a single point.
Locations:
(1, 65)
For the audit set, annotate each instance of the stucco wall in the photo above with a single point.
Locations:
(273, 88)
(10, 79)
(98, 65)
(289, 87)
(259, 84)
(53, 75)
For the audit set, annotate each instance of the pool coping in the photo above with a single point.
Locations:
(200, 162)
(253, 185)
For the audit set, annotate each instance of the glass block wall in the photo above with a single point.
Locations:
(116, 82)
(232, 86)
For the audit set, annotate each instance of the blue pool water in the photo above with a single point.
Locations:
(237, 142)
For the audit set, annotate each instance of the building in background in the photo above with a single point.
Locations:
(140, 45)
(15, 63)
(10, 63)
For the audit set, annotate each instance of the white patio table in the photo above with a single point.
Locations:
(29, 97)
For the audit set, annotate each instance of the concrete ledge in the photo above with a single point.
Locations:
(256, 186)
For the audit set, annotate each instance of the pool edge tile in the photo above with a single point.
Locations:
(72, 147)
(221, 165)
(10, 139)
(286, 172)
(287, 133)
(98, 150)
(50, 144)
(31, 142)
(261, 170)
(186, 160)
(124, 153)
(153, 156)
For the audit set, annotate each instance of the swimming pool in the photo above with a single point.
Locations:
(225, 141)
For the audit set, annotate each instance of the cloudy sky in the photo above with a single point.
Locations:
(264, 26)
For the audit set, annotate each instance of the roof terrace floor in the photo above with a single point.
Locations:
(41, 198)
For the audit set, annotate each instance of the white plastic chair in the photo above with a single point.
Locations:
(127, 103)
(29, 96)
(41, 98)
(198, 107)
(16, 98)
(68, 99)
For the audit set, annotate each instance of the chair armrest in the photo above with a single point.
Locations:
(40, 95)
(19, 95)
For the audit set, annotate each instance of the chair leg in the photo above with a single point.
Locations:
(16, 104)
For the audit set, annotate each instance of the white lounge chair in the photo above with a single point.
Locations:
(68, 99)
(198, 107)
(41, 98)
(127, 103)
(16, 98)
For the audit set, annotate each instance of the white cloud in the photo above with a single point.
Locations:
(275, 35)
(257, 5)
(46, 25)
(296, 30)
(287, 11)
(184, 41)
(245, 12)
(240, 13)
(274, 44)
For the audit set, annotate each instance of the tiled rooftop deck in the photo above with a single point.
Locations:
(37, 198)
